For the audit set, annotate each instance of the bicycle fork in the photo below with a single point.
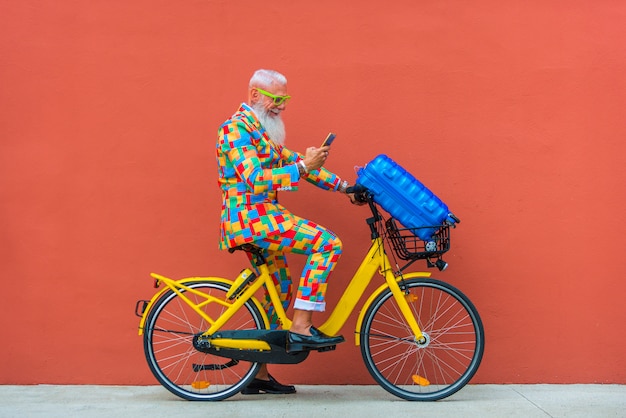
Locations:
(401, 299)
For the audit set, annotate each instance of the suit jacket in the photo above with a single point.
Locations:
(251, 170)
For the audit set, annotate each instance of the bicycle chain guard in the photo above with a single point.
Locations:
(277, 339)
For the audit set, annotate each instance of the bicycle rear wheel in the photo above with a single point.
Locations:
(177, 365)
(444, 362)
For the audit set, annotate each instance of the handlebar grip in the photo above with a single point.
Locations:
(361, 193)
(357, 188)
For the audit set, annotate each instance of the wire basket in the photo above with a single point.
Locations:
(408, 246)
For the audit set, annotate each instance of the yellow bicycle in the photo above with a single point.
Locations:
(421, 339)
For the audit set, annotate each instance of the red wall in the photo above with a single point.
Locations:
(512, 112)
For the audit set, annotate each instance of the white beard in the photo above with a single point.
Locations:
(274, 125)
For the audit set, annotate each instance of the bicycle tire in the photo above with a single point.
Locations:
(449, 358)
(172, 357)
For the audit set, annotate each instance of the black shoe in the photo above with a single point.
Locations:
(267, 386)
(317, 340)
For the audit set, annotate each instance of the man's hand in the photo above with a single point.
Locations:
(315, 157)
(354, 201)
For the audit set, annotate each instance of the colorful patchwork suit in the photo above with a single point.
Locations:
(251, 171)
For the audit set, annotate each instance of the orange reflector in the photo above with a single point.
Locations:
(410, 297)
(419, 380)
(200, 384)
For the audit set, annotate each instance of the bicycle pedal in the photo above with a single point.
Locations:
(327, 348)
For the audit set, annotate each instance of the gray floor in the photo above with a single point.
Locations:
(316, 401)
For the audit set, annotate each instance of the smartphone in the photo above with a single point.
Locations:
(329, 139)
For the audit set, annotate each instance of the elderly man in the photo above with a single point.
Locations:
(253, 165)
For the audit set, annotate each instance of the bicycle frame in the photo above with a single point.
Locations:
(375, 261)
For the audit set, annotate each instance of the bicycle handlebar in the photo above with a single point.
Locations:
(361, 193)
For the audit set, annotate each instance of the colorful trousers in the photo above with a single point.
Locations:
(323, 248)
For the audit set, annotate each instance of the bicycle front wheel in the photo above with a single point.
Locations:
(168, 344)
(439, 365)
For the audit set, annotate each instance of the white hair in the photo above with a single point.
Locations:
(266, 78)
